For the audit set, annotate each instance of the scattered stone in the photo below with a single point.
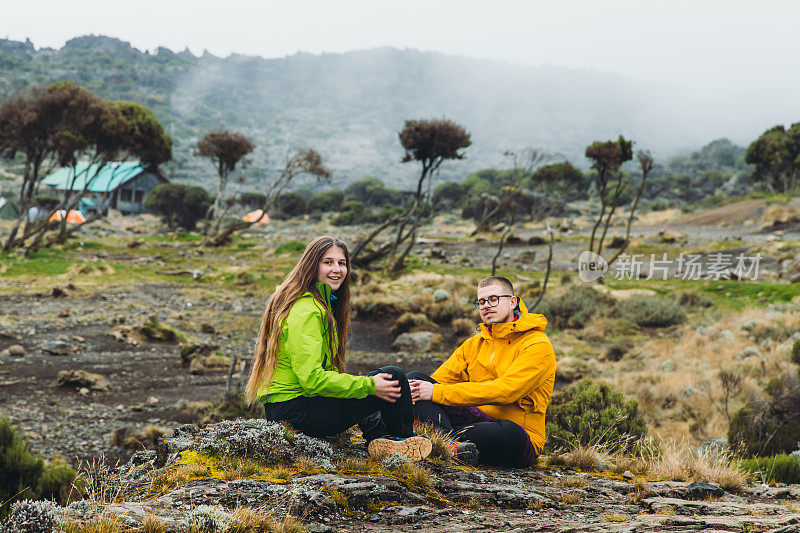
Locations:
(16, 350)
(78, 338)
(416, 341)
(628, 475)
(83, 391)
(152, 401)
(700, 490)
(689, 391)
(59, 348)
(82, 379)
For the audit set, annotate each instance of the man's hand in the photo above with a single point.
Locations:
(386, 388)
(420, 390)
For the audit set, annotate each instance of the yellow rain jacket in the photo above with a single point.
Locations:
(508, 373)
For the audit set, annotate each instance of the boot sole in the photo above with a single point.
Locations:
(414, 448)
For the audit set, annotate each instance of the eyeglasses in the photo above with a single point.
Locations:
(491, 301)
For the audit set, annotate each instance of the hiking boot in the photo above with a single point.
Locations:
(464, 452)
(414, 448)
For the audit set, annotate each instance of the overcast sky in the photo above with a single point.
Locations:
(706, 42)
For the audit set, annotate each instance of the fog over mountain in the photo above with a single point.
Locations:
(350, 106)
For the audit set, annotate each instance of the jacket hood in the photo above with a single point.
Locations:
(526, 322)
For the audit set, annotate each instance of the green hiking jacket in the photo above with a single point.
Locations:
(304, 365)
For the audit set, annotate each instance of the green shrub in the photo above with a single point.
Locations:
(20, 469)
(59, 483)
(326, 201)
(291, 247)
(574, 308)
(179, 204)
(781, 468)
(770, 426)
(795, 357)
(288, 205)
(595, 413)
(651, 311)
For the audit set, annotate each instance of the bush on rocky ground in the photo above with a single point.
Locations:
(575, 307)
(28, 516)
(596, 413)
(651, 311)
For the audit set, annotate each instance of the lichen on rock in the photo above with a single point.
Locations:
(263, 440)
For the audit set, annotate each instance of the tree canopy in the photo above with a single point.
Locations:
(776, 156)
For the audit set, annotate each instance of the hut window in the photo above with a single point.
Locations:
(125, 195)
(138, 196)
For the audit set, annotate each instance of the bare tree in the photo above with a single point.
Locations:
(430, 142)
(297, 162)
(608, 157)
(645, 165)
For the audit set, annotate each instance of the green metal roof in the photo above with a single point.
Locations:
(111, 176)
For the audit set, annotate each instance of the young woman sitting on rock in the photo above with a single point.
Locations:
(298, 364)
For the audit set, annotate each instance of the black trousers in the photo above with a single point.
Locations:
(323, 416)
(500, 442)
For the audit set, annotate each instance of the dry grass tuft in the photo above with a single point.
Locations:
(152, 524)
(590, 458)
(105, 523)
(304, 465)
(570, 498)
(440, 441)
(355, 465)
(573, 482)
(639, 493)
(417, 477)
(616, 517)
(248, 520)
(677, 462)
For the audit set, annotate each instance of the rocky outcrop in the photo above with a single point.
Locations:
(332, 485)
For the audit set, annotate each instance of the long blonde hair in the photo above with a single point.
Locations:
(301, 279)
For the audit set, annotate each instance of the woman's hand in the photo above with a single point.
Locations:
(386, 388)
(420, 390)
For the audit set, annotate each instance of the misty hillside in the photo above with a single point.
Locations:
(351, 106)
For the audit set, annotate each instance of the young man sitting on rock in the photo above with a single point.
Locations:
(492, 393)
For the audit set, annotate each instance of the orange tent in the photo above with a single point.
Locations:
(73, 217)
(258, 216)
